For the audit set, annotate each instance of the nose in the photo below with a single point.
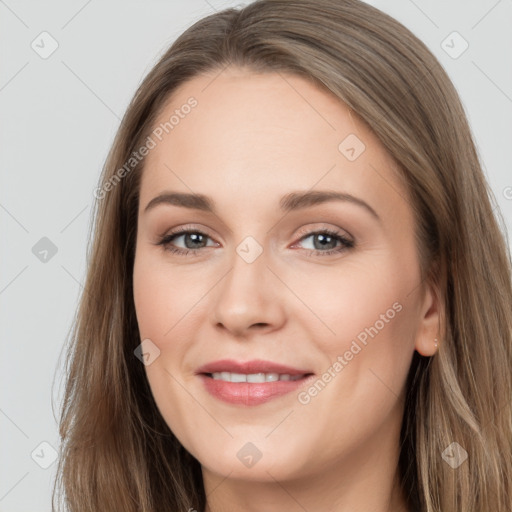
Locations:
(250, 297)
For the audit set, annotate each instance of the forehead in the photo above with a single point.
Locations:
(256, 137)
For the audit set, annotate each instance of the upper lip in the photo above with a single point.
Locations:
(247, 367)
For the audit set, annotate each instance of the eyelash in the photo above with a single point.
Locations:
(165, 242)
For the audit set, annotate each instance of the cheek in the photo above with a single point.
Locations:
(367, 343)
(163, 296)
(164, 309)
(365, 315)
(353, 297)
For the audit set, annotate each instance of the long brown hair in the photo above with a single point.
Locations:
(117, 453)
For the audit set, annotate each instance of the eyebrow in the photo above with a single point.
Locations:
(290, 202)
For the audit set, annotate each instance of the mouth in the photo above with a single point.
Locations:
(255, 378)
(242, 389)
(250, 382)
(226, 368)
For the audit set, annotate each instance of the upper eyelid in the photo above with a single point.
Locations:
(183, 230)
(191, 228)
(335, 230)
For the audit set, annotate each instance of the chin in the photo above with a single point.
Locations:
(255, 461)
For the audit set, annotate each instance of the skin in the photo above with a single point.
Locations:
(251, 139)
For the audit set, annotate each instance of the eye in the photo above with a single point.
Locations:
(192, 238)
(327, 239)
(195, 240)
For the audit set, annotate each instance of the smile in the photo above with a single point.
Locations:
(253, 377)
(251, 389)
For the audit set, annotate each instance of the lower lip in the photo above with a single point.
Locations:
(250, 393)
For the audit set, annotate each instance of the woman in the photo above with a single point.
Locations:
(298, 297)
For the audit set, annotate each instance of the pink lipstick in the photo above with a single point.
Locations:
(251, 382)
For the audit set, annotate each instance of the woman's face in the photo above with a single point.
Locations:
(273, 271)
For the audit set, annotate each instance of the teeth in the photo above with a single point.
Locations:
(254, 377)
(260, 377)
(238, 377)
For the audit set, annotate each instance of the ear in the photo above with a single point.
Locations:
(429, 327)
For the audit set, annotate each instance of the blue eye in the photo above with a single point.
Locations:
(192, 238)
(326, 238)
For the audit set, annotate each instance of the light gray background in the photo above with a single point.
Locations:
(58, 119)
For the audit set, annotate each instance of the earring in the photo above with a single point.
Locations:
(435, 344)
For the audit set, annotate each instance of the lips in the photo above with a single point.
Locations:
(250, 367)
(240, 383)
